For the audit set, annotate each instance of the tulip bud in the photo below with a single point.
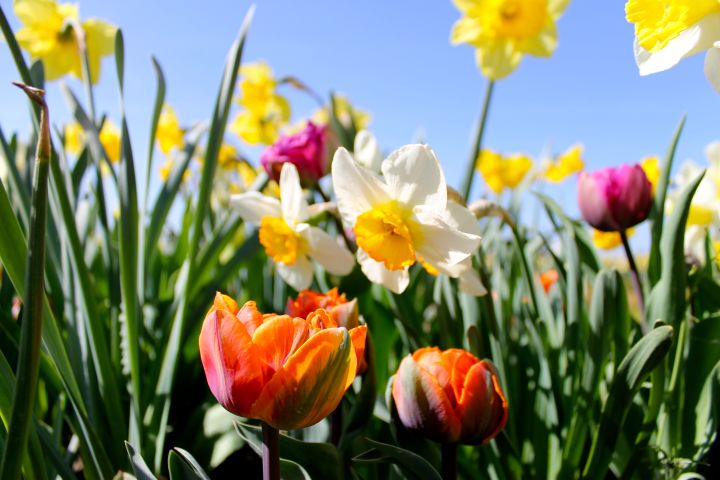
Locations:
(305, 149)
(615, 199)
(449, 396)
(289, 372)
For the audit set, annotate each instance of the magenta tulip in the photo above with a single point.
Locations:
(305, 149)
(615, 199)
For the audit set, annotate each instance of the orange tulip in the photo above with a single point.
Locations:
(344, 311)
(449, 396)
(548, 279)
(289, 372)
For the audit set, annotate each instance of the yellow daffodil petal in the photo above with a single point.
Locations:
(566, 164)
(74, 138)
(281, 242)
(110, 140)
(651, 167)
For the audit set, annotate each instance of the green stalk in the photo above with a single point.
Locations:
(449, 461)
(270, 452)
(477, 143)
(31, 333)
(635, 276)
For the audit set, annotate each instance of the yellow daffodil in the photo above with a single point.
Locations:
(264, 110)
(404, 217)
(74, 138)
(287, 237)
(651, 167)
(502, 31)
(566, 164)
(49, 34)
(500, 171)
(166, 169)
(169, 135)
(609, 240)
(345, 112)
(666, 31)
(110, 140)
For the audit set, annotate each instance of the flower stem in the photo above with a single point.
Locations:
(449, 461)
(634, 275)
(270, 453)
(336, 425)
(477, 143)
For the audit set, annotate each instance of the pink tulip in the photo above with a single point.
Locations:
(305, 149)
(615, 199)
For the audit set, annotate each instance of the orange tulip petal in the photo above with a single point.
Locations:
(251, 317)
(223, 302)
(279, 337)
(311, 383)
(358, 336)
(460, 363)
(320, 319)
(233, 365)
(482, 407)
(422, 403)
(439, 366)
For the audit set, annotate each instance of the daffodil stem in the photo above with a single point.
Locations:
(634, 275)
(31, 329)
(477, 143)
(449, 461)
(270, 453)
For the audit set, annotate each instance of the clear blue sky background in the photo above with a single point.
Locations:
(394, 59)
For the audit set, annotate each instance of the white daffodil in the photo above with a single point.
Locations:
(666, 31)
(401, 218)
(286, 236)
(367, 151)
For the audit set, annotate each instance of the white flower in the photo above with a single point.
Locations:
(287, 239)
(401, 218)
(367, 152)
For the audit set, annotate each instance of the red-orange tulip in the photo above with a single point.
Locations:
(449, 396)
(287, 371)
(344, 311)
(548, 279)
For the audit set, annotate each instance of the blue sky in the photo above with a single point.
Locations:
(394, 59)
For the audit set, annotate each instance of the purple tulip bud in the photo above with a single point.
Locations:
(615, 199)
(305, 150)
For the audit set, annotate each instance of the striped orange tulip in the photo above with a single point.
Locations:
(344, 311)
(449, 396)
(289, 372)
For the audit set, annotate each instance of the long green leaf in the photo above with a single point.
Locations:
(182, 466)
(412, 464)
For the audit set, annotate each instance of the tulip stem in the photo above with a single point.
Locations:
(336, 425)
(449, 461)
(634, 275)
(270, 453)
(477, 143)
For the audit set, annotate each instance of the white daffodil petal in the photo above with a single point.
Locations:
(294, 204)
(367, 152)
(462, 219)
(252, 206)
(325, 249)
(471, 284)
(395, 280)
(414, 177)
(299, 275)
(357, 189)
(694, 39)
(441, 242)
(712, 66)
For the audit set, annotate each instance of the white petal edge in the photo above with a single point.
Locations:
(470, 282)
(414, 177)
(395, 280)
(292, 198)
(695, 39)
(367, 151)
(325, 249)
(252, 206)
(462, 218)
(441, 242)
(357, 189)
(299, 275)
(712, 66)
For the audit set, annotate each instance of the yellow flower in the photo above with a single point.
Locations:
(264, 111)
(110, 139)
(49, 34)
(666, 31)
(651, 167)
(166, 169)
(501, 171)
(169, 134)
(502, 31)
(228, 156)
(609, 240)
(345, 112)
(566, 164)
(74, 138)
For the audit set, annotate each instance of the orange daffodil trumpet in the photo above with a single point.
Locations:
(287, 237)
(403, 217)
(289, 372)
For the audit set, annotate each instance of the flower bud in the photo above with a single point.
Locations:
(305, 149)
(449, 396)
(615, 199)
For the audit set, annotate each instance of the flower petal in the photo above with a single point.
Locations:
(414, 177)
(357, 189)
(299, 275)
(498, 59)
(440, 241)
(252, 206)
(292, 198)
(482, 408)
(279, 337)
(712, 66)
(367, 152)
(396, 280)
(325, 249)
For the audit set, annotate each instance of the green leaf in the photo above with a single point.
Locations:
(412, 464)
(707, 413)
(642, 359)
(142, 471)
(290, 470)
(182, 466)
